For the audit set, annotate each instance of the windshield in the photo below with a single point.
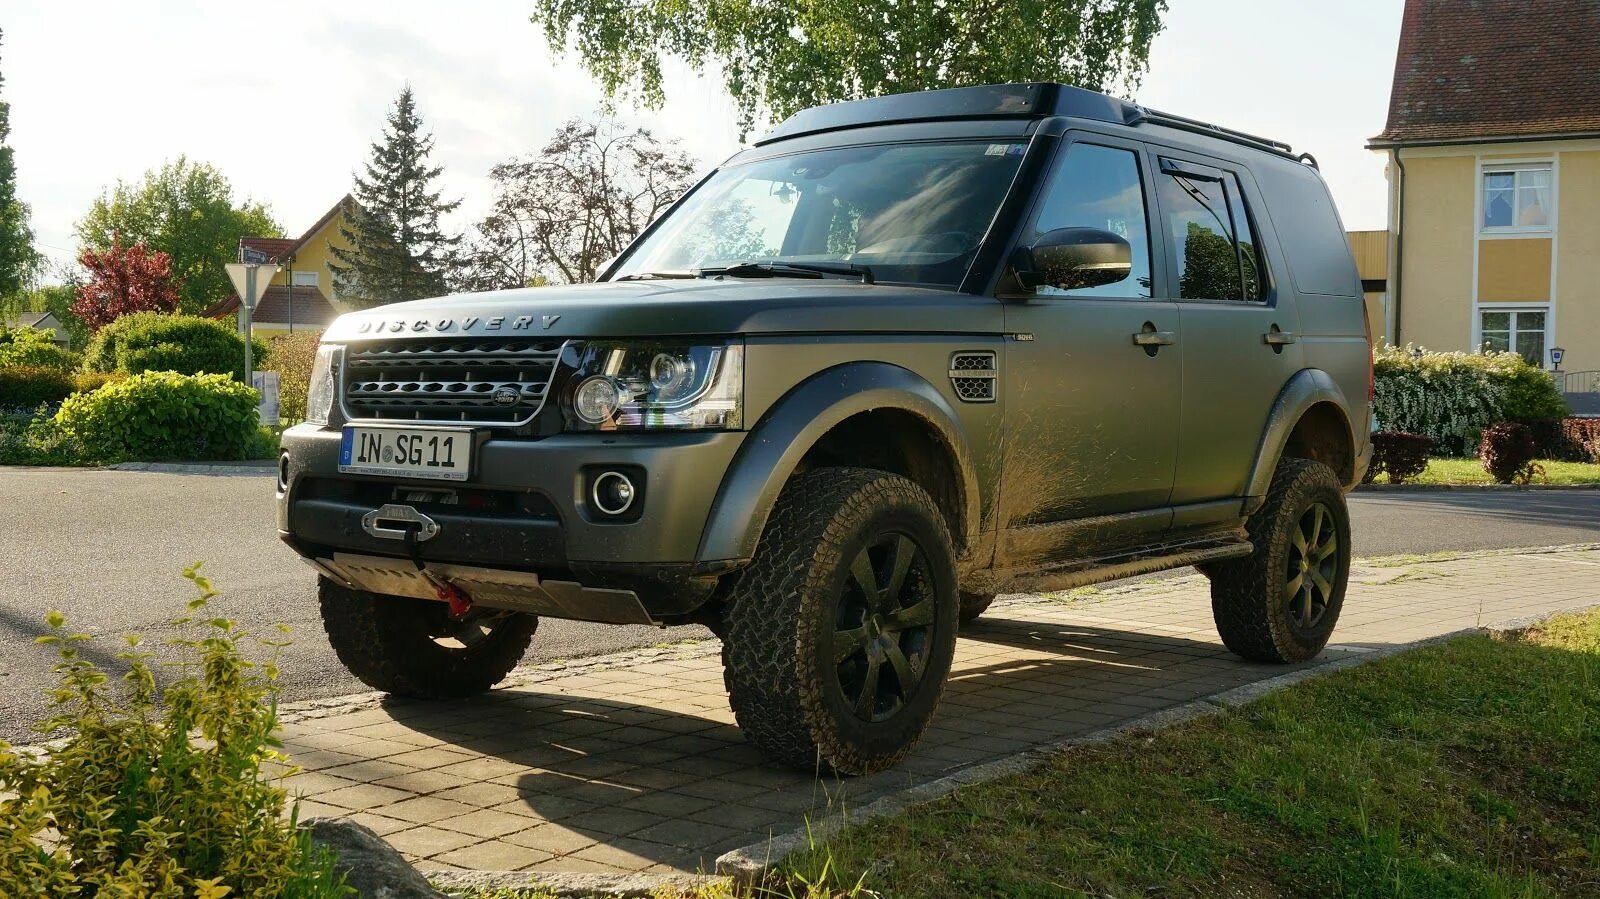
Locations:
(909, 213)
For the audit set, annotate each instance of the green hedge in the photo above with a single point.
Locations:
(164, 415)
(292, 358)
(1452, 397)
(154, 341)
(28, 387)
(34, 348)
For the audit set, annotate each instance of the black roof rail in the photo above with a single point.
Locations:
(1195, 126)
(1000, 101)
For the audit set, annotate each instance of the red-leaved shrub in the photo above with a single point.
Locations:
(1582, 437)
(1402, 456)
(1507, 452)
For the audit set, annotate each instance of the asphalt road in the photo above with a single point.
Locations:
(107, 549)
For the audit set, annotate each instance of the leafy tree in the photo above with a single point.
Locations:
(579, 201)
(187, 211)
(1210, 265)
(123, 280)
(398, 250)
(780, 56)
(17, 258)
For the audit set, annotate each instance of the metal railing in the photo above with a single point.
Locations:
(1582, 389)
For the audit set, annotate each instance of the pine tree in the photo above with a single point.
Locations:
(397, 248)
(17, 258)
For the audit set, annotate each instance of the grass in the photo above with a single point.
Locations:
(1465, 769)
(1467, 472)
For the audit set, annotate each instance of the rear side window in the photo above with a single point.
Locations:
(1213, 240)
(1308, 229)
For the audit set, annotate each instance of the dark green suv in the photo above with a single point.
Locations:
(901, 355)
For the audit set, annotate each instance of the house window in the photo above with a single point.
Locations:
(305, 279)
(1514, 329)
(1516, 199)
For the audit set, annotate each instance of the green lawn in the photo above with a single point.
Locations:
(1465, 769)
(1470, 471)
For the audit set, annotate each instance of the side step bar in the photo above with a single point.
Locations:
(492, 588)
(1083, 572)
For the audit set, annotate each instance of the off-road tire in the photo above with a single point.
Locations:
(973, 605)
(1248, 595)
(385, 641)
(781, 619)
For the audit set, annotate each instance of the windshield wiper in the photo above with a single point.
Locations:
(658, 276)
(792, 270)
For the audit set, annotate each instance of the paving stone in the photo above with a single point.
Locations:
(632, 762)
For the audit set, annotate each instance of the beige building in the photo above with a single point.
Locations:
(302, 295)
(1493, 145)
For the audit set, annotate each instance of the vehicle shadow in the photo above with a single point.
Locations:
(660, 775)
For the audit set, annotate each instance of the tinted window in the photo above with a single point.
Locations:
(1099, 187)
(1198, 225)
(1309, 234)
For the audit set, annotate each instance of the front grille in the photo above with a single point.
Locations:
(488, 381)
(973, 375)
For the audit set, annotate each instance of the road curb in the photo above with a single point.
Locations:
(263, 468)
(1486, 488)
(624, 886)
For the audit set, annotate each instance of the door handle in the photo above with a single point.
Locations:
(1279, 338)
(1154, 338)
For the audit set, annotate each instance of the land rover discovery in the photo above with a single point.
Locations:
(899, 356)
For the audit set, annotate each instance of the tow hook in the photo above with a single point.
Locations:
(458, 600)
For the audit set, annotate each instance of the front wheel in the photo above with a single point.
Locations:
(841, 631)
(1280, 603)
(413, 647)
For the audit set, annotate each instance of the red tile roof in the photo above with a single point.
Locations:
(1495, 68)
(310, 307)
(274, 247)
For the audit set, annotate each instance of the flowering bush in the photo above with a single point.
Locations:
(1508, 452)
(1399, 455)
(1452, 397)
(157, 791)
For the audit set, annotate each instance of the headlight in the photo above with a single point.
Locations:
(636, 385)
(324, 386)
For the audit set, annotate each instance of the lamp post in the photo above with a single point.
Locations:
(1556, 355)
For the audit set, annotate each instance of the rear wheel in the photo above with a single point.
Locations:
(841, 631)
(1281, 602)
(413, 647)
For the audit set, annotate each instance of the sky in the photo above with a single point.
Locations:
(285, 98)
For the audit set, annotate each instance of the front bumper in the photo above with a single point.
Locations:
(528, 511)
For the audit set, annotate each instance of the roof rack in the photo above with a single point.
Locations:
(1000, 101)
(1196, 126)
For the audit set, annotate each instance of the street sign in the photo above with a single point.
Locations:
(252, 255)
(249, 281)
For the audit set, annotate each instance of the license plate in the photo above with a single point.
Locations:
(441, 453)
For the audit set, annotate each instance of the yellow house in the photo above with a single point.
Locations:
(1493, 145)
(302, 295)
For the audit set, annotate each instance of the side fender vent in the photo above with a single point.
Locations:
(973, 375)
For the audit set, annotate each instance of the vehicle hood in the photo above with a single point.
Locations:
(678, 307)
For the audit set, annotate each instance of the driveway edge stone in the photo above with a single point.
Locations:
(756, 860)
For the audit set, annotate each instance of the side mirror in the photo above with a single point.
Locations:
(1072, 258)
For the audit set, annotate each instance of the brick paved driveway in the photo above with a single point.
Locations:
(632, 762)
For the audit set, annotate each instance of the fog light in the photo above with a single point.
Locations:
(613, 493)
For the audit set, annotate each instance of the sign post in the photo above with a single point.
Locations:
(250, 283)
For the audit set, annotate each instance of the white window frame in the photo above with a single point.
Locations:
(316, 278)
(1511, 337)
(1516, 170)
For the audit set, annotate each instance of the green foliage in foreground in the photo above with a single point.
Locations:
(157, 791)
(1452, 397)
(1466, 769)
(164, 415)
